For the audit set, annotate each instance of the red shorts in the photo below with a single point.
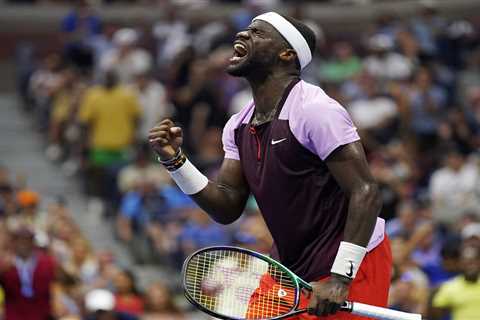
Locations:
(370, 286)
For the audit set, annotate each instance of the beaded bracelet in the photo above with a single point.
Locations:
(175, 162)
(172, 159)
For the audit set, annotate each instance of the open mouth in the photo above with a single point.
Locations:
(239, 52)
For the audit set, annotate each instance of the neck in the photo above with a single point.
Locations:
(267, 91)
(471, 277)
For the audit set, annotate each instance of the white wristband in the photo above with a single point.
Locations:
(189, 179)
(348, 259)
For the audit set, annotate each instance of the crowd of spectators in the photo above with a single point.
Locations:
(48, 269)
(411, 85)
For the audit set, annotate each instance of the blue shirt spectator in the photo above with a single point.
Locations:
(83, 22)
(144, 207)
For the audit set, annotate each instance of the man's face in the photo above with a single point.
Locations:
(470, 261)
(24, 245)
(256, 50)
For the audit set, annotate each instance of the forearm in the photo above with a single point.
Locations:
(223, 199)
(364, 206)
(221, 202)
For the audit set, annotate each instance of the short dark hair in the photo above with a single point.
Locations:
(305, 31)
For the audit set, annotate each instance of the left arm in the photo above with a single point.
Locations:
(349, 167)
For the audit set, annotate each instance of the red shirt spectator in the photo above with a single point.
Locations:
(127, 298)
(26, 279)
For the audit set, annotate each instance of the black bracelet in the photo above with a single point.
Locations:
(176, 165)
(172, 160)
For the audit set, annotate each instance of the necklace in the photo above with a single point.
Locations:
(260, 118)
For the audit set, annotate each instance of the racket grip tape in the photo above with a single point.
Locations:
(366, 310)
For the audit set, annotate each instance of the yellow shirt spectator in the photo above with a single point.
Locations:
(111, 115)
(461, 297)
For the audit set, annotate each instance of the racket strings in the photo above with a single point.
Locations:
(239, 285)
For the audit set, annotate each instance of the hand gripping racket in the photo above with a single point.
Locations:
(235, 283)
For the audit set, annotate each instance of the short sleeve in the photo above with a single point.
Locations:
(135, 108)
(443, 297)
(228, 140)
(323, 127)
(85, 114)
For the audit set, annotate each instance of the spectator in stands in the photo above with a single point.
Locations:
(172, 35)
(26, 276)
(453, 187)
(126, 58)
(408, 294)
(66, 293)
(469, 80)
(199, 232)
(64, 108)
(127, 297)
(471, 233)
(159, 304)
(81, 21)
(383, 62)
(82, 263)
(342, 66)
(141, 170)
(28, 202)
(428, 102)
(427, 26)
(99, 304)
(145, 214)
(461, 296)
(79, 26)
(43, 84)
(111, 114)
(405, 222)
(152, 97)
(375, 114)
(253, 234)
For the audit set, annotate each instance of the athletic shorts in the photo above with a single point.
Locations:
(370, 286)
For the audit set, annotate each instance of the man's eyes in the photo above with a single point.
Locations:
(255, 31)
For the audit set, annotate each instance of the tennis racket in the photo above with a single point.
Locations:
(236, 284)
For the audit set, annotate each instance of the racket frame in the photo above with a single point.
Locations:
(296, 280)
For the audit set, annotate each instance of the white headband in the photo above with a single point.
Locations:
(291, 34)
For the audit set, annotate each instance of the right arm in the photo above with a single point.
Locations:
(224, 199)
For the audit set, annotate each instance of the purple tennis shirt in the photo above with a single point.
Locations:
(284, 163)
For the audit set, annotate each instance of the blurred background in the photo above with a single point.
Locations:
(92, 228)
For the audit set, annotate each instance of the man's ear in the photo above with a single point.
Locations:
(288, 55)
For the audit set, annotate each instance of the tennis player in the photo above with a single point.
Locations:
(298, 152)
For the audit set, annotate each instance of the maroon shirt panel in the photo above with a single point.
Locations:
(303, 206)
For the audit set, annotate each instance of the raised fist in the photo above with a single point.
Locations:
(165, 138)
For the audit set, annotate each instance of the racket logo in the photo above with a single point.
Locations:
(281, 293)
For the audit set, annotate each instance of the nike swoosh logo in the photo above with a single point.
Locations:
(350, 273)
(278, 141)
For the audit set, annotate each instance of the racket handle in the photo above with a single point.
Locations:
(365, 310)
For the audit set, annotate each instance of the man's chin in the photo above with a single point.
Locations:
(239, 69)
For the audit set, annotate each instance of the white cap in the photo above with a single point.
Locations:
(125, 37)
(99, 299)
(471, 230)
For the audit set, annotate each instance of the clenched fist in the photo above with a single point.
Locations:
(328, 296)
(165, 138)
